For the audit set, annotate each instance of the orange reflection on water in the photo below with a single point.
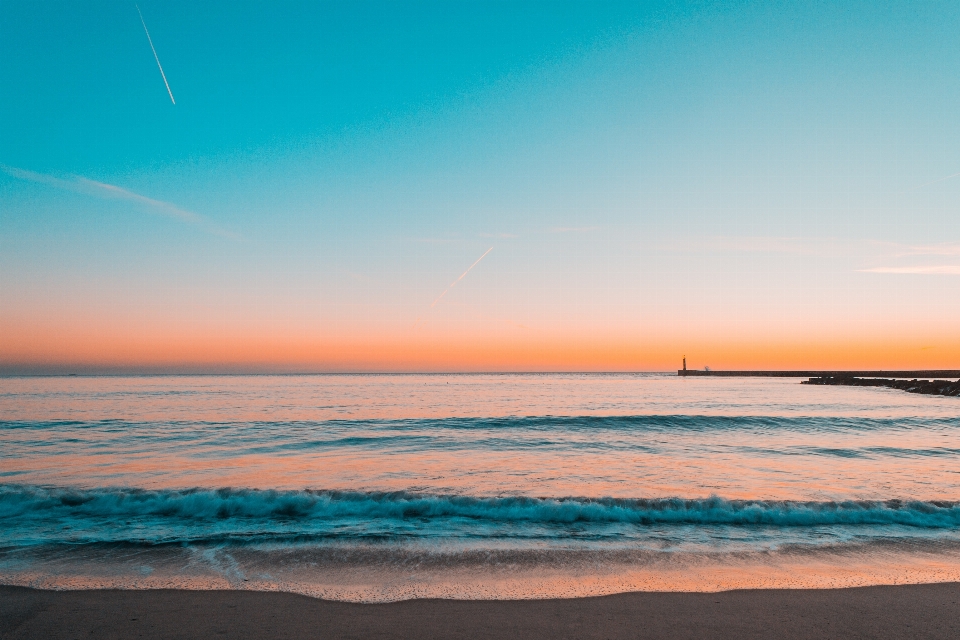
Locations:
(455, 434)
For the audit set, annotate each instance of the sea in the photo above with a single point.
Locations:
(375, 488)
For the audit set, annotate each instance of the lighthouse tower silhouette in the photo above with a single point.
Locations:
(684, 363)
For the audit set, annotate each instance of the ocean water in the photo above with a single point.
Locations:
(383, 487)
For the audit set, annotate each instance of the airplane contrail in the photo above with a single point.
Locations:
(162, 74)
(454, 283)
(927, 184)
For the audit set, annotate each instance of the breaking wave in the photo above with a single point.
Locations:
(18, 502)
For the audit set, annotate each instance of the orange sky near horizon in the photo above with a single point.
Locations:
(42, 351)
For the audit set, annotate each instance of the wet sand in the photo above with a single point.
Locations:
(911, 611)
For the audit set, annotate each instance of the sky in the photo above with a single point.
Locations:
(478, 186)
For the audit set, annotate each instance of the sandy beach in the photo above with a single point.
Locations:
(911, 611)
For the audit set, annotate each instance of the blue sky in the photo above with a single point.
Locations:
(740, 178)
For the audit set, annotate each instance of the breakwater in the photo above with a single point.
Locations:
(929, 387)
(910, 375)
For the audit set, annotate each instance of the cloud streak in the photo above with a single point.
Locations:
(79, 184)
(573, 229)
(811, 246)
(935, 270)
(938, 249)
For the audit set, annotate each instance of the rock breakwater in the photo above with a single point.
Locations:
(929, 387)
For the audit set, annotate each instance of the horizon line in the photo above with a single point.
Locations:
(120, 374)
(674, 372)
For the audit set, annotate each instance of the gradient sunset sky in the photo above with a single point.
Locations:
(765, 185)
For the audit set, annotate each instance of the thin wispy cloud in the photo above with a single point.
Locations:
(937, 249)
(836, 247)
(430, 240)
(79, 184)
(573, 229)
(760, 244)
(932, 270)
(812, 246)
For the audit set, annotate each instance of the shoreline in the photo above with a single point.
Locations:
(322, 577)
(917, 611)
